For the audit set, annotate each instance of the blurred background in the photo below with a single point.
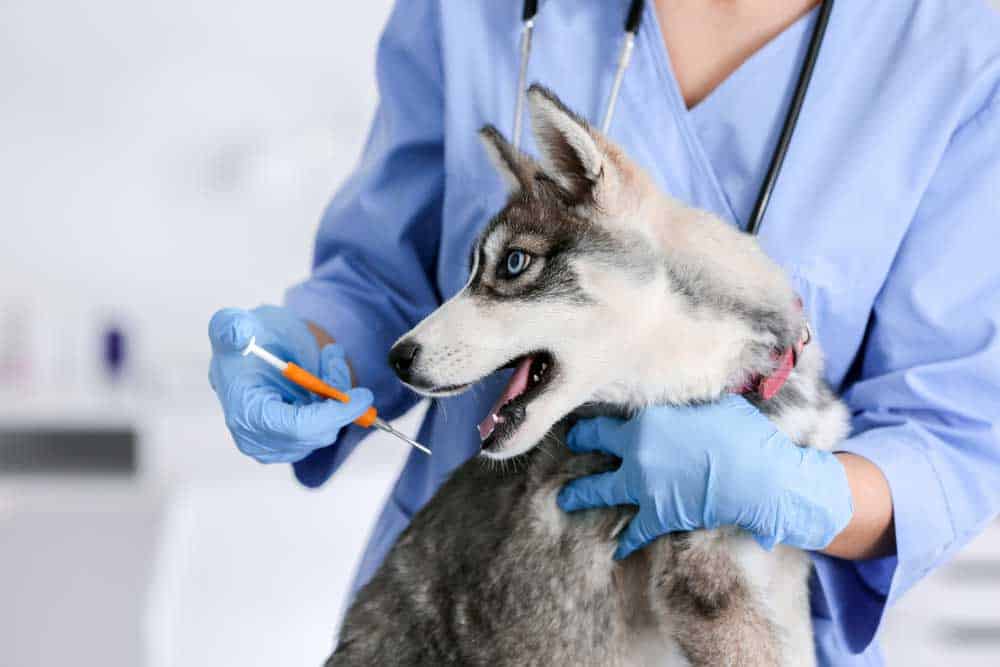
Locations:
(158, 161)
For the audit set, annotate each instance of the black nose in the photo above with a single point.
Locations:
(402, 356)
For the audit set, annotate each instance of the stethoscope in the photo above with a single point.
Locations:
(632, 21)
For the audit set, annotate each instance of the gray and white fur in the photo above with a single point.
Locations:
(631, 299)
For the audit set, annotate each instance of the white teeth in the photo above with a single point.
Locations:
(535, 378)
(544, 366)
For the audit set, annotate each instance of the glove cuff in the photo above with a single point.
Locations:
(817, 503)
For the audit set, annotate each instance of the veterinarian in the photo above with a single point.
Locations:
(884, 216)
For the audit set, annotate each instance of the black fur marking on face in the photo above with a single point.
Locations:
(557, 280)
(541, 223)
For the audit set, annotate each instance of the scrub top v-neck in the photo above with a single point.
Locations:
(878, 217)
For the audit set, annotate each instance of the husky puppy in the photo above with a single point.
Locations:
(606, 295)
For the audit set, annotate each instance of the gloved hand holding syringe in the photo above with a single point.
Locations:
(307, 380)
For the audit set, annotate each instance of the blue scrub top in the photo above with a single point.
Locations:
(886, 217)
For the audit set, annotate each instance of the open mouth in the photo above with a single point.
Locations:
(532, 372)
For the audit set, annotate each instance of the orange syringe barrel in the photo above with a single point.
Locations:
(304, 378)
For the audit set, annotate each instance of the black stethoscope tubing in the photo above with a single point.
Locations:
(632, 20)
(791, 119)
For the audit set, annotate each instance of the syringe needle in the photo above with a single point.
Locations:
(388, 429)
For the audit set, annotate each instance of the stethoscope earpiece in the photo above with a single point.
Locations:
(632, 22)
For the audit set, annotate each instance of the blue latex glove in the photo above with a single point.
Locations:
(705, 466)
(270, 418)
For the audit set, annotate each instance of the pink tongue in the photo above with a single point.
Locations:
(517, 385)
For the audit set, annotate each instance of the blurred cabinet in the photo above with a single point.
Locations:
(75, 566)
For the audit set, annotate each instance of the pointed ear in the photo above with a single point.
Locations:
(516, 168)
(571, 155)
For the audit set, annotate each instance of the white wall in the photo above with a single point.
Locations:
(160, 160)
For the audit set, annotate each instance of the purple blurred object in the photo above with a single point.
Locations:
(114, 351)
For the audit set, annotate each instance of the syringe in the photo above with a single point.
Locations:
(307, 380)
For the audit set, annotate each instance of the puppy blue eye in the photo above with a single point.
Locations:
(517, 262)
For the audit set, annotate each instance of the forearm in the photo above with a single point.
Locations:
(870, 532)
(322, 337)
